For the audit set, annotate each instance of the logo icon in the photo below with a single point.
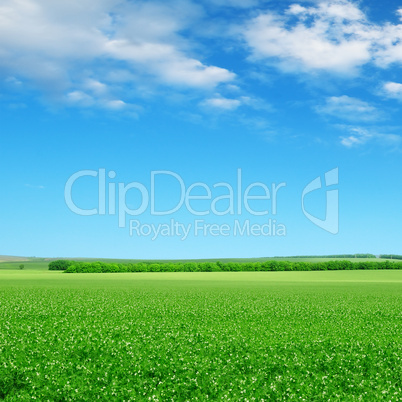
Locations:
(331, 221)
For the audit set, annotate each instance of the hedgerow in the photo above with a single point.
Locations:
(60, 265)
(271, 265)
(391, 256)
(335, 256)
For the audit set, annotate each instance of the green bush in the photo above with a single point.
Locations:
(59, 265)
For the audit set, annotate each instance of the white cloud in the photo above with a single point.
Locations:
(341, 10)
(393, 90)
(348, 108)
(352, 141)
(83, 99)
(235, 3)
(79, 98)
(95, 86)
(323, 38)
(36, 187)
(61, 45)
(360, 136)
(168, 63)
(329, 36)
(387, 45)
(13, 81)
(296, 9)
(221, 103)
(115, 104)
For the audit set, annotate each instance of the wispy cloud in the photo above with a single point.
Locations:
(60, 48)
(34, 186)
(358, 136)
(349, 108)
(235, 3)
(393, 90)
(221, 103)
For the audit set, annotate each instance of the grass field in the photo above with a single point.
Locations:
(238, 336)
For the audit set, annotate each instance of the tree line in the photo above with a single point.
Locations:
(391, 256)
(335, 256)
(270, 265)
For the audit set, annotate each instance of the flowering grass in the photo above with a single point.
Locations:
(198, 336)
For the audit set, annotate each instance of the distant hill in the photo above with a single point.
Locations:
(337, 256)
(12, 258)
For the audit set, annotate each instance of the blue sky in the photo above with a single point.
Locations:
(284, 91)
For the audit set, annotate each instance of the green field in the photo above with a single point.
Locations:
(332, 335)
